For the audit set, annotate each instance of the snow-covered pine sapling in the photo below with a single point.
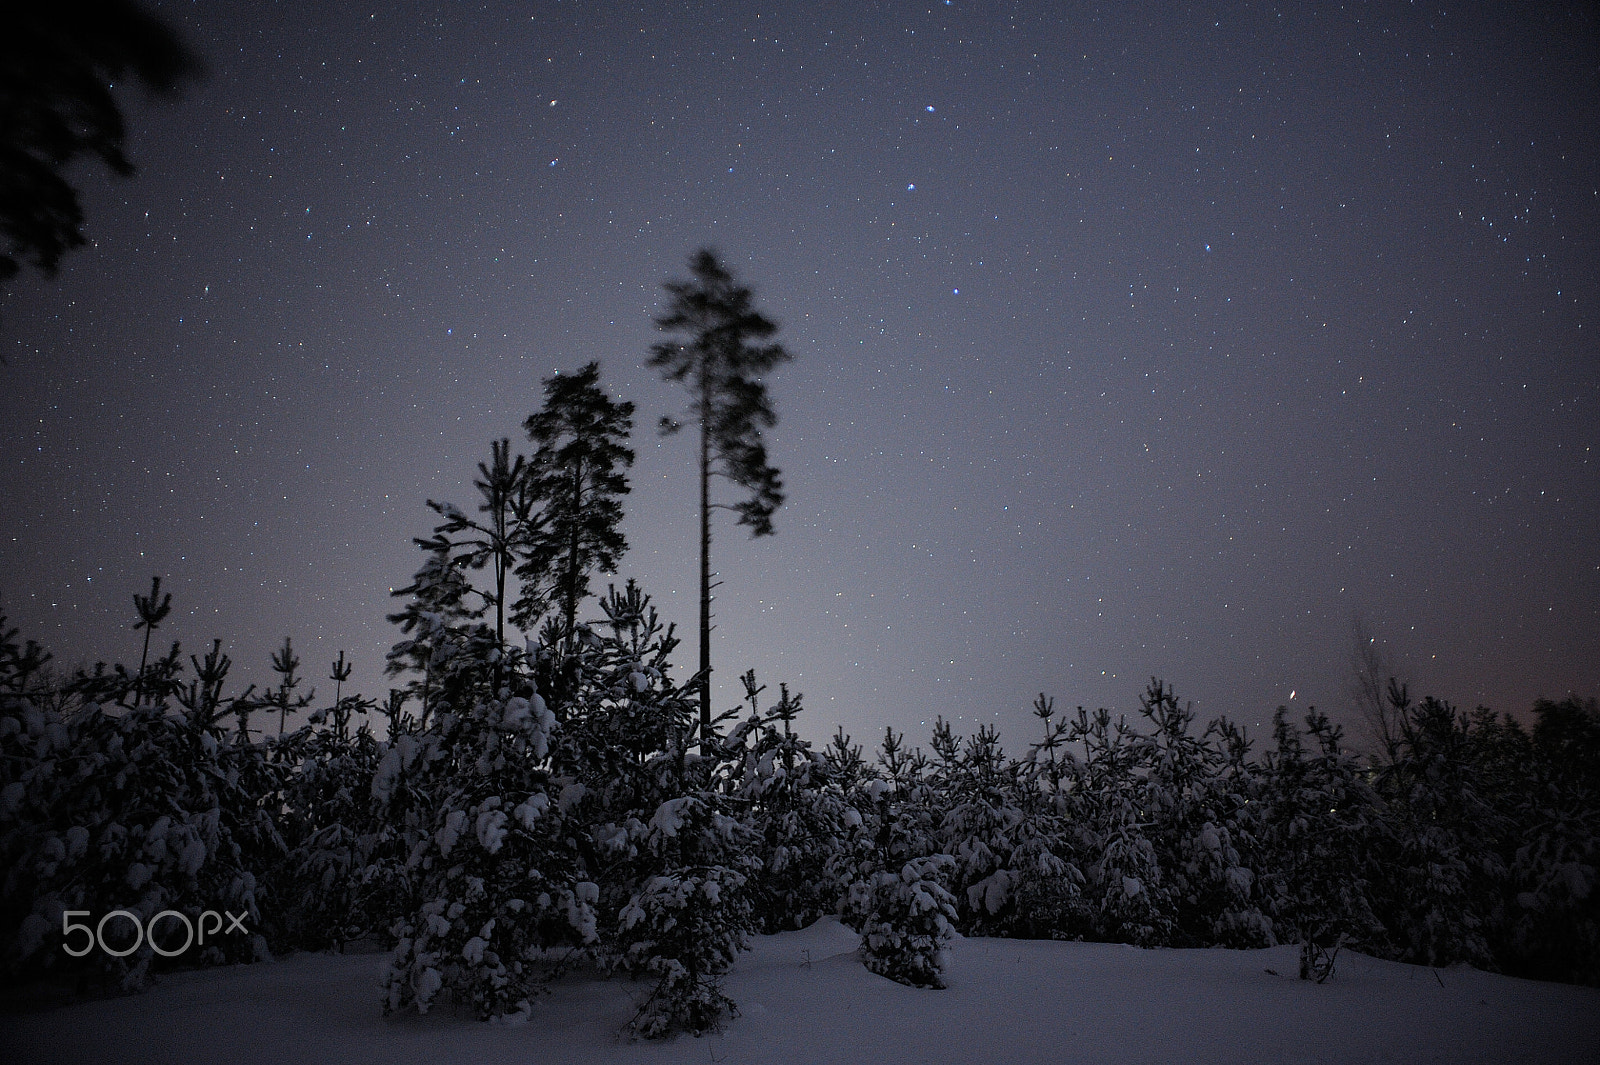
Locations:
(899, 899)
(324, 888)
(690, 913)
(1109, 825)
(442, 644)
(494, 874)
(907, 920)
(1044, 764)
(394, 714)
(1444, 874)
(241, 706)
(436, 625)
(666, 848)
(140, 810)
(846, 760)
(495, 542)
(508, 524)
(153, 681)
(801, 818)
(1007, 845)
(902, 768)
(905, 810)
(20, 666)
(1317, 816)
(1204, 891)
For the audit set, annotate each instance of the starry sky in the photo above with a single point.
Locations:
(1128, 339)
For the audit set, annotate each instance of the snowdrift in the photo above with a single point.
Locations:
(805, 999)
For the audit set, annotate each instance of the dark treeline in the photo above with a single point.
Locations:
(510, 836)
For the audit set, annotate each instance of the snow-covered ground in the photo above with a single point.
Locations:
(805, 999)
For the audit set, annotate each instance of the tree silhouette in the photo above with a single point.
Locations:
(712, 353)
(59, 62)
(496, 540)
(153, 610)
(284, 663)
(578, 476)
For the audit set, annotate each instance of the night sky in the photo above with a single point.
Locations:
(1128, 340)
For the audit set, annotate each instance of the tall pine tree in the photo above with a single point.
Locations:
(714, 349)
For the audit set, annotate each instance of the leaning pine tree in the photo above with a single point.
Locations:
(715, 351)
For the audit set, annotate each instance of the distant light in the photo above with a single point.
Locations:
(955, 292)
(911, 187)
(1208, 247)
(929, 109)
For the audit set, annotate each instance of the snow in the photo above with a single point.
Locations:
(528, 811)
(804, 997)
(877, 789)
(454, 822)
(492, 830)
(669, 816)
(11, 797)
(396, 760)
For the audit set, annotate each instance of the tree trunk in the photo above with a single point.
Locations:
(705, 579)
(570, 604)
(138, 687)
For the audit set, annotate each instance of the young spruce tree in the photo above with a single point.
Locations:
(714, 351)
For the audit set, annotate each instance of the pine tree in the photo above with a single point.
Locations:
(489, 875)
(907, 920)
(153, 610)
(578, 476)
(1317, 814)
(439, 603)
(1441, 869)
(1200, 837)
(794, 803)
(497, 540)
(132, 808)
(1550, 782)
(1010, 873)
(285, 663)
(59, 65)
(326, 888)
(715, 355)
(673, 862)
(438, 622)
(202, 700)
(1124, 899)
(339, 671)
